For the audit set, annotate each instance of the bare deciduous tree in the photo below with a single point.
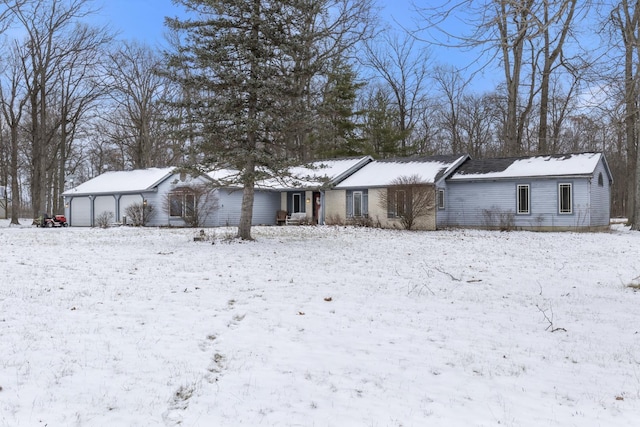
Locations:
(404, 68)
(408, 198)
(193, 203)
(60, 52)
(452, 90)
(137, 90)
(626, 19)
(13, 99)
(528, 39)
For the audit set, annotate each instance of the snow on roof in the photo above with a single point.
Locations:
(316, 174)
(537, 166)
(381, 173)
(121, 182)
(224, 175)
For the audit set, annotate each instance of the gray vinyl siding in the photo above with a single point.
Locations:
(442, 219)
(127, 200)
(156, 199)
(265, 206)
(600, 198)
(482, 203)
(83, 210)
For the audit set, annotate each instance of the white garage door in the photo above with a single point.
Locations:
(104, 205)
(80, 212)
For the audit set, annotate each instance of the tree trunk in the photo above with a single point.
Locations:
(15, 187)
(549, 57)
(635, 224)
(246, 214)
(629, 25)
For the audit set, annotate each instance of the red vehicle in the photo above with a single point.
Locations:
(56, 221)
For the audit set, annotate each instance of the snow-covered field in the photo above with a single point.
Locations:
(325, 326)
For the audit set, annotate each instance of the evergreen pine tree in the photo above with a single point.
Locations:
(247, 69)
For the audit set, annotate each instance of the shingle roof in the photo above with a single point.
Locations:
(531, 166)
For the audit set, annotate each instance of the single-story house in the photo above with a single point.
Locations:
(386, 192)
(176, 198)
(552, 192)
(303, 189)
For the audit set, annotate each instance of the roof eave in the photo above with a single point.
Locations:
(109, 193)
(452, 168)
(511, 178)
(346, 174)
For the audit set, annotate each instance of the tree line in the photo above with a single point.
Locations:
(260, 86)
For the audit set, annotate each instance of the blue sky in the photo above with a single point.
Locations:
(144, 19)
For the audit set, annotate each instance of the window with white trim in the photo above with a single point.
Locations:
(440, 198)
(357, 203)
(182, 203)
(523, 199)
(565, 198)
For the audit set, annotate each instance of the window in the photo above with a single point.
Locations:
(357, 203)
(523, 199)
(565, 202)
(175, 205)
(297, 202)
(600, 180)
(182, 204)
(440, 199)
(189, 205)
(401, 203)
(398, 202)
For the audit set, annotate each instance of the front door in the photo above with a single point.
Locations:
(297, 203)
(317, 207)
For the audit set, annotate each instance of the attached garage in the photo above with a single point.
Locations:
(112, 193)
(79, 211)
(170, 195)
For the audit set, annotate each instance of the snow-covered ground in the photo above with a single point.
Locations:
(324, 326)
